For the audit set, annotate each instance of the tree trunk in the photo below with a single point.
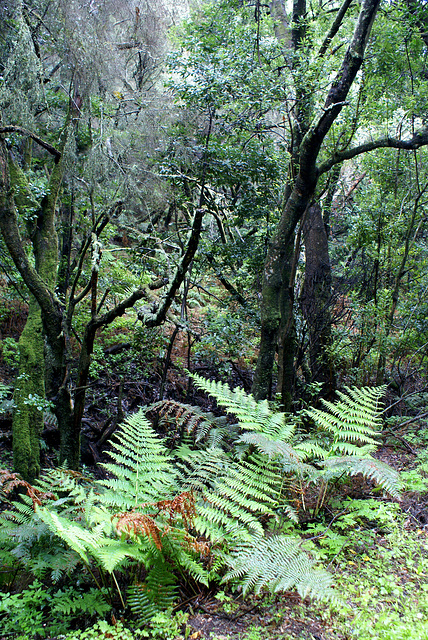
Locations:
(40, 280)
(302, 191)
(276, 300)
(30, 383)
(316, 298)
(29, 396)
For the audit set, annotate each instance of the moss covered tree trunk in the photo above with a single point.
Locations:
(306, 149)
(29, 395)
(30, 383)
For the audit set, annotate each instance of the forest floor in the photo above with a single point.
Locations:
(377, 551)
(379, 562)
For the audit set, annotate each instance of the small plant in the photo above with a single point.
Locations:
(10, 351)
(416, 480)
(169, 626)
(103, 630)
(6, 402)
(229, 605)
(40, 610)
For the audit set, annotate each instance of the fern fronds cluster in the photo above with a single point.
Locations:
(278, 563)
(202, 510)
(353, 422)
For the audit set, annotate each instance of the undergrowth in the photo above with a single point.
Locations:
(221, 508)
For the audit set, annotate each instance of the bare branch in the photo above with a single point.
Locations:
(42, 143)
(420, 139)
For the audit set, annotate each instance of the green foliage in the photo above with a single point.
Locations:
(278, 563)
(251, 415)
(416, 480)
(225, 336)
(347, 433)
(114, 527)
(355, 418)
(179, 418)
(40, 610)
(9, 351)
(200, 512)
(5, 404)
(386, 584)
(103, 629)
(142, 469)
(349, 427)
(164, 626)
(363, 517)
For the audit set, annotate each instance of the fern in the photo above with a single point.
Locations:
(251, 415)
(156, 593)
(201, 510)
(190, 420)
(279, 564)
(117, 521)
(142, 468)
(199, 469)
(371, 468)
(351, 426)
(353, 421)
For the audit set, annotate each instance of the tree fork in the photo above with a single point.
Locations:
(302, 191)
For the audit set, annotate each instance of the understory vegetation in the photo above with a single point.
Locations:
(213, 319)
(255, 505)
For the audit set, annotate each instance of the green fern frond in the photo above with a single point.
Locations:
(142, 467)
(279, 564)
(371, 468)
(245, 491)
(77, 538)
(157, 593)
(355, 418)
(199, 468)
(21, 513)
(311, 449)
(272, 448)
(251, 415)
(185, 551)
(113, 554)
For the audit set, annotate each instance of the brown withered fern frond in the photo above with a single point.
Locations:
(182, 505)
(201, 546)
(138, 523)
(10, 481)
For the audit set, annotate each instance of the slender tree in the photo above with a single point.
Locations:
(314, 160)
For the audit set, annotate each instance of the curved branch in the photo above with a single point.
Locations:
(11, 235)
(12, 129)
(334, 27)
(420, 139)
(155, 319)
(338, 93)
(119, 309)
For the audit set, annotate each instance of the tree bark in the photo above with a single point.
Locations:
(316, 298)
(301, 193)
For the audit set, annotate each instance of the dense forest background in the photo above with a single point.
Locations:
(213, 318)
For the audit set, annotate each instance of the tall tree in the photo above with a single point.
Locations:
(45, 346)
(313, 160)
